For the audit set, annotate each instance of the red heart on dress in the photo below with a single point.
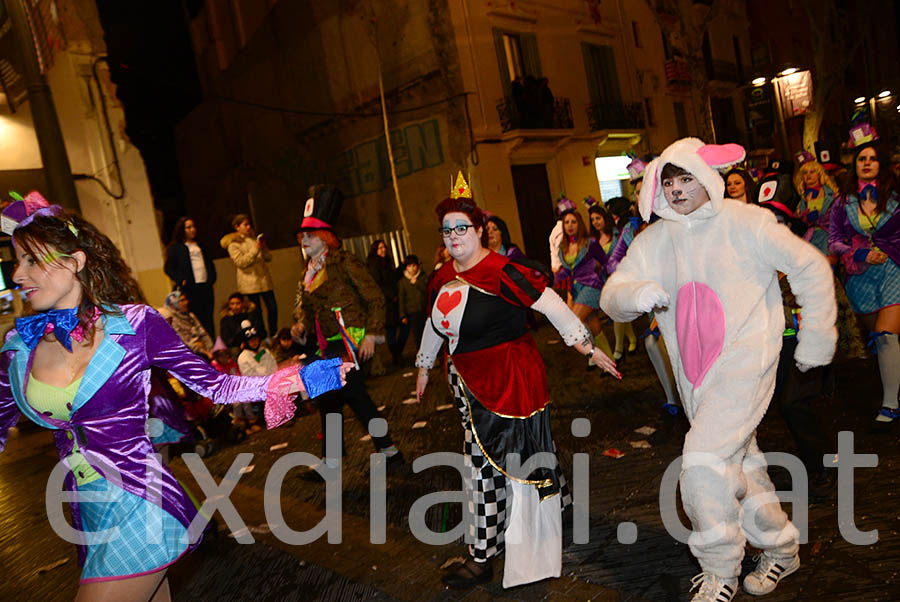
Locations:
(448, 301)
(445, 323)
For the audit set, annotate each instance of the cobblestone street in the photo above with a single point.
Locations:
(656, 567)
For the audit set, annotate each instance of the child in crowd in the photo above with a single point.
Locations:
(234, 312)
(411, 296)
(242, 415)
(723, 329)
(254, 360)
(285, 350)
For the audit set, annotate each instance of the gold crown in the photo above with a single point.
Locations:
(461, 188)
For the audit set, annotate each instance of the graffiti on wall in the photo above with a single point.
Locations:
(365, 168)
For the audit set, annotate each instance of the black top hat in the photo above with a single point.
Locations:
(322, 209)
(777, 194)
(828, 155)
(248, 331)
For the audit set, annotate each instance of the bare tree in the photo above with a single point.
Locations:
(835, 39)
(684, 24)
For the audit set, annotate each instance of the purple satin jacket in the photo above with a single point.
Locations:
(109, 412)
(846, 234)
(585, 270)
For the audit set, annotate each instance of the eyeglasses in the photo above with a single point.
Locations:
(460, 230)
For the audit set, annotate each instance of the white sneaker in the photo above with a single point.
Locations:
(712, 588)
(769, 571)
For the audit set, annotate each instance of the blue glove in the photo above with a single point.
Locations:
(321, 376)
(859, 256)
(812, 216)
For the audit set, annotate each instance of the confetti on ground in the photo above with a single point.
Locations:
(381, 408)
(443, 407)
(278, 446)
(239, 532)
(263, 528)
(52, 565)
(451, 561)
(612, 452)
(640, 444)
(410, 401)
(553, 342)
(366, 438)
(246, 469)
(645, 430)
(419, 424)
(408, 374)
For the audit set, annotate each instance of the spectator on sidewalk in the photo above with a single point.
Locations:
(237, 309)
(250, 254)
(411, 297)
(192, 270)
(187, 325)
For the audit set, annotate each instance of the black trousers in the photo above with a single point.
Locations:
(200, 298)
(356, 397)
(268, 297)
(796, 392)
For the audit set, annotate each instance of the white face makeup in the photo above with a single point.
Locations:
(48, 285)
(684, 193)
(736, 187)
(312, 244)
(867, 165)
(462, 247)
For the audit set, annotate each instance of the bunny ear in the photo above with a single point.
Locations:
(648, 190)
(718, 156)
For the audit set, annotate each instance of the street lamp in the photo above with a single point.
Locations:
(884, 94)
(788, 71)
(758, 81)
(859, 100)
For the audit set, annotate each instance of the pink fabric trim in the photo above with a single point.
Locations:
(314, 222)
(781, 206)
(700, 327)
(133, 575)
(280, 406)
(718, 155)
(879, 309)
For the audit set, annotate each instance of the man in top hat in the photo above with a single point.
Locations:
(341, 307)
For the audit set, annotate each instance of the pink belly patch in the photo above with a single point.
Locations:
(700, 326)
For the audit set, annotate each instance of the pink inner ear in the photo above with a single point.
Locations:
(716, 155)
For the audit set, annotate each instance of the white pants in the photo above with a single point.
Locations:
(730, 500)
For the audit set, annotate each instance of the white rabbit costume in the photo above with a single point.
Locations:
(712, 277)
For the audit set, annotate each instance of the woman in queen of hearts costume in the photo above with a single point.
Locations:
(80, 365)
(478, 304)
(723, 330)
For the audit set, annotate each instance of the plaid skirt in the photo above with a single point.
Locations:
(146, 538)
(876, 288)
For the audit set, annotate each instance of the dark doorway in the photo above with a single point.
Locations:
(535, 205)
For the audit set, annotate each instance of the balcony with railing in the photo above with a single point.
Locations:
(546, 114)
(615, 115)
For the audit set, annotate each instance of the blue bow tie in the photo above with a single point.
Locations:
(812, 193)
(869, 190)
(32, 328)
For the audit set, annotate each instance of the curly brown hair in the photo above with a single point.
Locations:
(105, 279)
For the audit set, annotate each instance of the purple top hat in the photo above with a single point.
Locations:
(590, 201)
(564, 206)
(803, 157)
(861, 134)
(636, 169)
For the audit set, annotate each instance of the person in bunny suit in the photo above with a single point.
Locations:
(709, 270)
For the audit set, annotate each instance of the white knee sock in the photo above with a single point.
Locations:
(889, 365)
(662, 369)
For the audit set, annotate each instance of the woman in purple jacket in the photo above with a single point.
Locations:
(581, 265)
(80, 365)
(865, 237)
